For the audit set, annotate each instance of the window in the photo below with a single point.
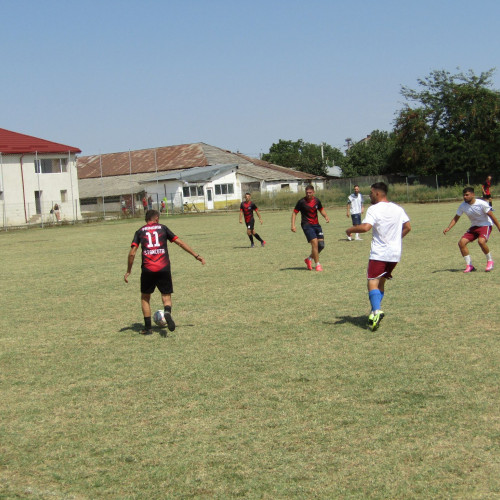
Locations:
(64, 195)
(112, 199)
(188, 191)
(88, 201)
(224, 189)
(51, 166)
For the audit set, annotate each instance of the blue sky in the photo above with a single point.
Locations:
(109, 75)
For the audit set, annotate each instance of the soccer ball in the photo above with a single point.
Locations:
(159, 318)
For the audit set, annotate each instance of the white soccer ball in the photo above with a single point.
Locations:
(159, 318)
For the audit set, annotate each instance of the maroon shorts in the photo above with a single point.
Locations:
(475, 232)
(380, 269)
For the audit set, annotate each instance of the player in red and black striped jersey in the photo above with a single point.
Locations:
(156, 273)
(486, 189)
(309, 206)
(247, 208)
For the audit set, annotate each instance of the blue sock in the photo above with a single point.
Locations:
(375, 297)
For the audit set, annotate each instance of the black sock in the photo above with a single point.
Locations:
(147, 323)
(251, 238)
(258, 237)
(167, 309)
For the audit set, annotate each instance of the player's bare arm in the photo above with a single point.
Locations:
(323, 213)
(451, 224)
(361, 228)
(189, 250)
(493, 218)
(406, 229)
(258, 215)
(294, 215)
(130, 262)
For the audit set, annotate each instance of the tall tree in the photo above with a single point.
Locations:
(452, 125)
(371, 156)
(304, 156)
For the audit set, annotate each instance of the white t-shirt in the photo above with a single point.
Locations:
(386, 219)
(356, 203)
(477, 213)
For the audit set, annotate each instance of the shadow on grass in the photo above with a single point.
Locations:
(295, 269)
(137, 327)
(448, 271)
(359, 321)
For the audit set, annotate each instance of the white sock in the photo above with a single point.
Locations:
(467, 260)
(488, 257)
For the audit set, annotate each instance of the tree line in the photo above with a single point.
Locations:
(448, 126)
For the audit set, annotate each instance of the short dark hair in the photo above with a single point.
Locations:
(356, 186)
(380, 186)
(248, 194)
(309, 186)
(151, 214)
(468, 189)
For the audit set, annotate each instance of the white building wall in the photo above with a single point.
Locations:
(172, 190)
(17, 204)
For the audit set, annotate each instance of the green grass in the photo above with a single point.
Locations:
(270, 387)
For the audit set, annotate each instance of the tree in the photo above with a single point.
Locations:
(304, 156)
(454, 128)
(413, 147)
(370, 156)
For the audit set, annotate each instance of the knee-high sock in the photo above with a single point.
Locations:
(375, 297)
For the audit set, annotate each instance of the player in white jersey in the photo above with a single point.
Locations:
(481, 215)
(355, 206)
(390, 225)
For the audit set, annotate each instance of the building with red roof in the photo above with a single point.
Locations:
(36, 177)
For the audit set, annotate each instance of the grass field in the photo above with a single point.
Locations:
(270, 387)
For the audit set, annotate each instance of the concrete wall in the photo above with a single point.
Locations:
(18, 205)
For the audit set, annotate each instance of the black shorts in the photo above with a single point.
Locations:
(250, 224)
(162, 280)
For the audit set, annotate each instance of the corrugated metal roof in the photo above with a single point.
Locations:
(195, 174)
(141, 161)
(111, 186)
(15, 143)
(186, 156)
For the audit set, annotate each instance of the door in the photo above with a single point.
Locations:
(38, 204)
(210, 199)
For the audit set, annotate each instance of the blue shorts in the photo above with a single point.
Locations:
(356, 219)
(313, 231)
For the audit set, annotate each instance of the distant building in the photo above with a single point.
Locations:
(201, 176)
(35, 175)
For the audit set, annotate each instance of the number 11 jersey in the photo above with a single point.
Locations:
(153, 238)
